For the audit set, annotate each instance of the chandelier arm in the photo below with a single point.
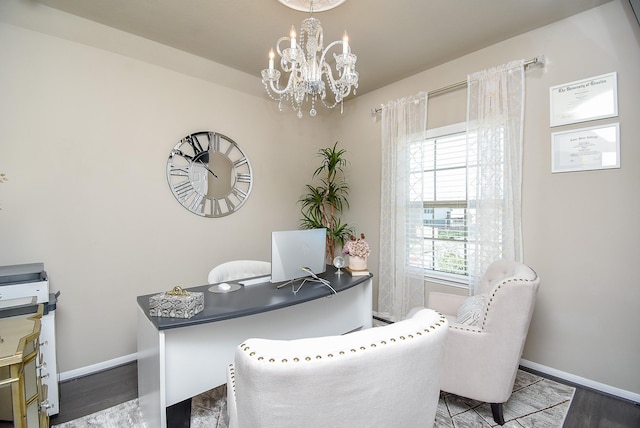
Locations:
(326, 71)
(336, 87)
(284, 90)
(286, 66)
(329, 46)
(287, 60)
(280, 40)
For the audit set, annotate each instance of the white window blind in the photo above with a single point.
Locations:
(438, 190)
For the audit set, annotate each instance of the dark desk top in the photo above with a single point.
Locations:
(253, 299)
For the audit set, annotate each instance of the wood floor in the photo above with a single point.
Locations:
(99, 391)
(593, 409)
(86, 395)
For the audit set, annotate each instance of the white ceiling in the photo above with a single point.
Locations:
(393, 39)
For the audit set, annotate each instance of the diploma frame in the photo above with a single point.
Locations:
(596, 147)
(583, 100)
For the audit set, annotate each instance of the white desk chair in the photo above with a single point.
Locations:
(238, 269)
(376, 378)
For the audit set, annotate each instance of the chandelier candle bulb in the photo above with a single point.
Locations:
(271, 56)
(345, 43)
(292, 34)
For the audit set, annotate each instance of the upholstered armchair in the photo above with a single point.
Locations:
(487, 333)
(380, 377)
(238, 269)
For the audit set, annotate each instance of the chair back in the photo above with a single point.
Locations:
(379, 377)
(238, 269)
(500, 270)
(511, 300)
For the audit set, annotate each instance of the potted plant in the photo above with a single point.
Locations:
(324, 201)
(358, 251)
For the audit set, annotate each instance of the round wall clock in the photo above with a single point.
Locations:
(209, 174)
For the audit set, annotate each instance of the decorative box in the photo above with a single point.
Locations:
(177, 303)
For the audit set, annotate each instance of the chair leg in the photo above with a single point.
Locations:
(496, 409)
(179, 414)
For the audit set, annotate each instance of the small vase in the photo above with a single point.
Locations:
(357, 263)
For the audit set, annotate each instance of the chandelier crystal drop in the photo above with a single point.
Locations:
(308, 76)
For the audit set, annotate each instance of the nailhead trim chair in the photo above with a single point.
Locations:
(380, 377)
(481, 361)
(238, 269)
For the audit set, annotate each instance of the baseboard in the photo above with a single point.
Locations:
(587, 383)
(94, 368)
(578, 380)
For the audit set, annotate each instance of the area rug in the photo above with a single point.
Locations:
(535, 402)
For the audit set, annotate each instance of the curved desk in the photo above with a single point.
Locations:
(181, 358)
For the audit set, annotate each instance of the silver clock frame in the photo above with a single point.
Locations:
(209, 174)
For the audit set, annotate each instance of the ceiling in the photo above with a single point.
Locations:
(393, 39)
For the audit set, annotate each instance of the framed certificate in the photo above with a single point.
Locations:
(585, 149)
(583, 100)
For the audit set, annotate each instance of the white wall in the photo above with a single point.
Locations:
(85, 132)
(581, 229)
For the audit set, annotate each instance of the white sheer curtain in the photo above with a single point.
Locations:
(401, 288)
(495, 116)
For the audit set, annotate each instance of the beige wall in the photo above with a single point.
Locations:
(581, 230)
(88, 116)
(84, 138)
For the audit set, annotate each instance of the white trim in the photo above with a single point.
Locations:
(98, 367)
(449, 279)
(443, 131)
(612, 390)
(607, 389)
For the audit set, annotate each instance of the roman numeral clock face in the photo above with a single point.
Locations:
(209, 174)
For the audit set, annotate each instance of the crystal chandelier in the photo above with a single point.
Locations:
(310, 77)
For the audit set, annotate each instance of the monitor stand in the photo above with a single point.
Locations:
(304, 281)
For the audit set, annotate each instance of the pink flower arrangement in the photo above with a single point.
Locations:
(357, 247)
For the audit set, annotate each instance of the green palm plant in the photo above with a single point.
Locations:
(323, 203)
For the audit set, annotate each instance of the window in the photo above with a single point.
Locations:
(438, 187)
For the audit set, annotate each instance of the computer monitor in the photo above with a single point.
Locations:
(293, 249)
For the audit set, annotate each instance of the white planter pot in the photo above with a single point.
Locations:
(357, 263)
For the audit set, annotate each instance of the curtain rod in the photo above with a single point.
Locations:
(532, 61)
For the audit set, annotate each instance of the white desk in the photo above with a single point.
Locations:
(179, 359)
